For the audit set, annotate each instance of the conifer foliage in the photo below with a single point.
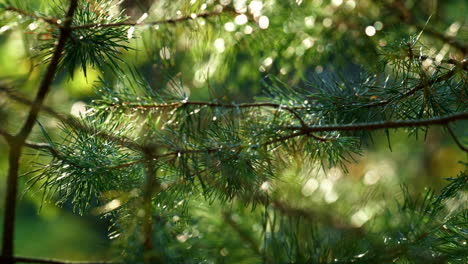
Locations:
(223, 131)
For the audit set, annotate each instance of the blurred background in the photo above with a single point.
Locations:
(229, 57)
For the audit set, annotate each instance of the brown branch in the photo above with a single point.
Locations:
(308, 130)
(29, 144)
(51, 261)
(17, 142)
(455, 138)
(152, 186)
(442, 120)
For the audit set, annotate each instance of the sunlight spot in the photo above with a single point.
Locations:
(359, 218)
(318, 69)
(225, 2)
(335, 174)
(427, 63)
(240, 6)
(142, 18)
(309, 21)
(248, 30)
(351, 4)
(453, 29)
(113, 204)
(326, 186)
(78, 109)
(371, 177)
(331, 197)
(370, 31)
(219, 45)
(130, 32)
(378, 25)
(255, 7)
(241, 19)
(337, 2)
(263, 22)
(229, 26)
(308, 43)
(266, 186)
(267, 62)
(327, 22)
(224, 252)
(32, 26)
(165, 53)
(310, 187)
(182, 238)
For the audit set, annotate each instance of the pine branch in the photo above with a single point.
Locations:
(153, 23)
(308, 130)
(444, 77)
(407, 17)
(72, 121)
(442, 120)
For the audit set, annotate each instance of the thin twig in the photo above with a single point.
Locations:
(322, 217)
(151, 187)
(18, 141)
(292, 110)
(441, 120)
(49, 20)
(441, 78)
(455, 138)
(408, 19)
(152, 23)
(245, 236)
(74, 122)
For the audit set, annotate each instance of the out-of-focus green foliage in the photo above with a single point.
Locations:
(203, 131)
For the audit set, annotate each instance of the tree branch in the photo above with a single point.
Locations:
(18, 141)
(49, 20)
(455, 138)
(153, 23)
(444, 77)
(442, 120)
(72, 121)
(407, 17)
